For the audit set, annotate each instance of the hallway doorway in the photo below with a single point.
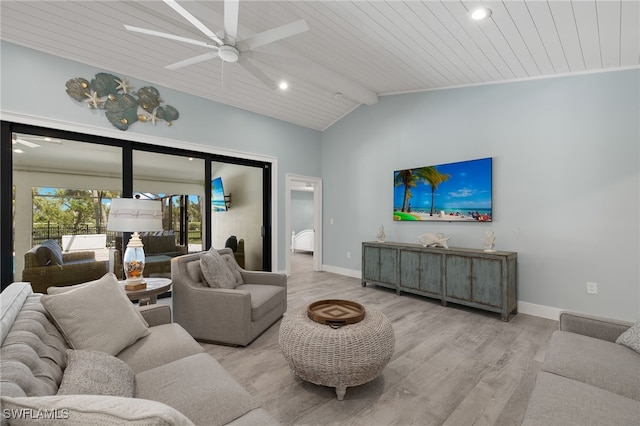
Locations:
(303, 223)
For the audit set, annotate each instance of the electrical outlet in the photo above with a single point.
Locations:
(331, 221)
(348, 255)
(592, 288)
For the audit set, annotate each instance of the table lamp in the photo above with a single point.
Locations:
(133, 215)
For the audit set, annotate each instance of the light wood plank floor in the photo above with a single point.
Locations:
(452, 366)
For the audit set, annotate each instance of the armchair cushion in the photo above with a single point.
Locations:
(215, 270)
(263, 298)
(96, 316)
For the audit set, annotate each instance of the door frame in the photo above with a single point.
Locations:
(291, 181)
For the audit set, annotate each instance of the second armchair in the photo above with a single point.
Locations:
(233, 312)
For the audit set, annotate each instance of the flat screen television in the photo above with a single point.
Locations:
(459, 192)
(217, 195)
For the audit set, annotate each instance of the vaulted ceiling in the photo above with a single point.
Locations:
(354, 51)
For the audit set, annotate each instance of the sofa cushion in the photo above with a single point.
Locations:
(263, 298)
(215, 270)
(558, 401)
(198, 387)
(594, 361)
(97, 316)
(33, 354)
(49, 253)
(164, 343)
(11, 301)
(96, 373)
(93, 410)
(631, 337)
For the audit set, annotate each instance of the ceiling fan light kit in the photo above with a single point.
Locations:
(227, 47)
(228, 53)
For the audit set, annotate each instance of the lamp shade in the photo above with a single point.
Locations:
(130, 214)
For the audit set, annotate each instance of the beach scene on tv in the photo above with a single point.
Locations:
(446, 192)
(217, 196)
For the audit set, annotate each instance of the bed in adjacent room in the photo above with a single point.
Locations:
(302, 241)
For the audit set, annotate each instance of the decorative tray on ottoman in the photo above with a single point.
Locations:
(336, 313)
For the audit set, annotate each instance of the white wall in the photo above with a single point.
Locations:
(566, 180)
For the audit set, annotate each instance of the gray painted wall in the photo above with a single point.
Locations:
(565, 180)
(301, 210)
(33, 84)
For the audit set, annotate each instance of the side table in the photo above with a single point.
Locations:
(149, 295)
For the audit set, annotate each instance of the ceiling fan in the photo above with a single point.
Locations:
(226, 45)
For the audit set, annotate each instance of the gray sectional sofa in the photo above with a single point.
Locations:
(587, 378)
(174, 381)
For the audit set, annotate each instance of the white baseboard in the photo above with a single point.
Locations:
(523, 307)
(342, 271)
(539, 310)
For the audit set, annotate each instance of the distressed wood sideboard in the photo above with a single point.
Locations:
(464, 276)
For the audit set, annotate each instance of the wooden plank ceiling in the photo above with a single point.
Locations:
(361, 49)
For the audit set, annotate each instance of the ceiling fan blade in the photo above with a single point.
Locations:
(271, 59)
(193, 20)
(226, 74)
(272, 35)
(191, 61)
(170, 36)
(231, 20)
(249, 66)
(27, 143)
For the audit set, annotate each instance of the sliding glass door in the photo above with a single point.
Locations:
(61, 190)
(57, 185)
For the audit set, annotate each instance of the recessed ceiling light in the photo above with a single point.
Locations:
(480, 13)
(283, 85)
(18, 151)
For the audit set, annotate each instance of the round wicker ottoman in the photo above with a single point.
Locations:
(336, 357)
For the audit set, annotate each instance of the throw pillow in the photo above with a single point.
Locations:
(64, 289)
(215, 270)
(97, 316)
(233, 267)
(96, 373)
(194, 269)
(631, 337)
(49, 253)
(91, 410)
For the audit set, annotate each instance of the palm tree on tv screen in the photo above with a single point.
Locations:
(408, 179)
(433, 177)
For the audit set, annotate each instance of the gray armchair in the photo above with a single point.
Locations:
(232, 316)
